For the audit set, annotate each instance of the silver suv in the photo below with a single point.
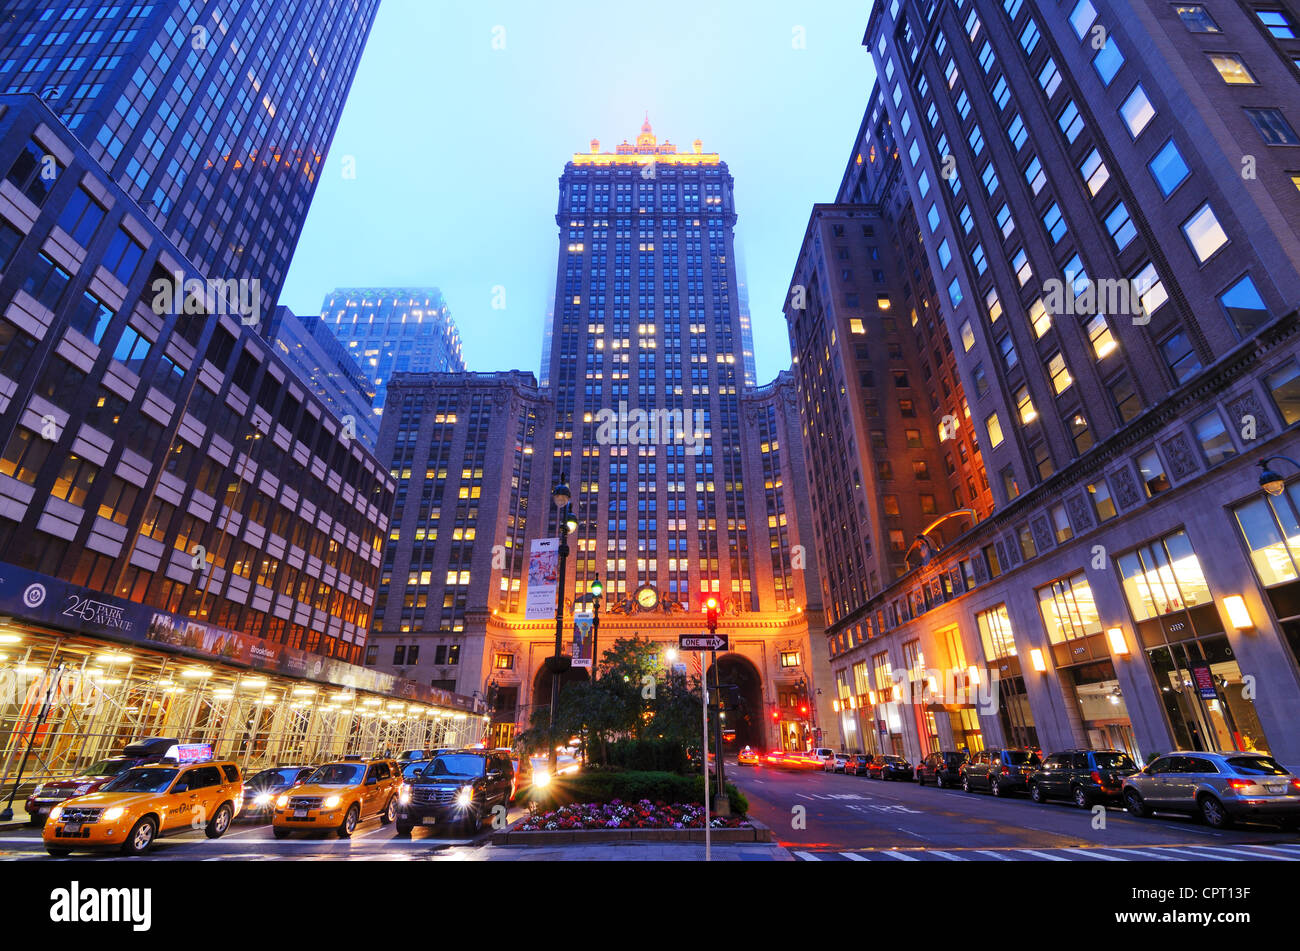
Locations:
(1219, 787)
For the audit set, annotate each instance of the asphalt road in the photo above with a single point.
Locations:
(852, 818)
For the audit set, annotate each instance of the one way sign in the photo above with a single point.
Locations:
(702, 642)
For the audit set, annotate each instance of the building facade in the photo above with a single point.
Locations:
(1118, 282)
(394, 330)
(325, 366)
(204, 112)
(675, 465)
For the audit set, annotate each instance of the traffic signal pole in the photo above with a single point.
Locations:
(721, 802)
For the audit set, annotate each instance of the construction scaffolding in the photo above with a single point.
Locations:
(103, 696)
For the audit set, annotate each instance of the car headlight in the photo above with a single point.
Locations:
(541, 780)
(113, 814)
(465, 798)
(333, 802)
(404, 794)
(263, 799)
(56, 812)
(282, 802)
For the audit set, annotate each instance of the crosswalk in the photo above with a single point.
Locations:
(1146, 853)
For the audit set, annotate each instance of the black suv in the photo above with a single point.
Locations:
(944, 768)
(1000, 771)
(1085, 776)
(459, 789)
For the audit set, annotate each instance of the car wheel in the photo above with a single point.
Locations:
(995, 787)
(140, 839)
(280, 833)
(1081, 798)
(1135, 804)
(965, 783)
(1036, 793)
(390, 811)
(404, 828)
(58, 853)
(350, 822)
(219, 823)
(1212, 811)
(473, 823)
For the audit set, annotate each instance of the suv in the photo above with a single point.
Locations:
(1000, 771)
(1220, 787)
(823, 755)
(836, 763)
(340, 796)
(943, 767)
(460, 788)
(889, 766)
(1085, 776)
(145, 802)
(47, 795)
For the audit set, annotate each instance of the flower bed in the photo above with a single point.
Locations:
(617, 814)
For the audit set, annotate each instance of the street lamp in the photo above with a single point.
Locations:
(561, 496)
(597, 591)
(1270, 481)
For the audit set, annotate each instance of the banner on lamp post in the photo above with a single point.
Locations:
(583, 622)
(543, 579)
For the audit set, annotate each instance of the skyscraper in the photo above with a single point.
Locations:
(1108, 205)
(394, 330)
(215, 117)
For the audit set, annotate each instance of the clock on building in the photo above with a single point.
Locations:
(647, 598)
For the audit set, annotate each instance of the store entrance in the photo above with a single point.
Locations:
(1205, 698)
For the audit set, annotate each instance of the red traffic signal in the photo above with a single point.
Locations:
(711, 614)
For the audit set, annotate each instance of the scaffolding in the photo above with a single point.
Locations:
(104, 696)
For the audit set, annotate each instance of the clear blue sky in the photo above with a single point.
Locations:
(458, 146)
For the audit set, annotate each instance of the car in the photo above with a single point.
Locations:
(774, 758)
(889, 766)
(749, 757)
(836, 763)
(1083, 776)
(942, 767)
(413, 768)
(1220, 787)
(799, 759)
(414, 756)
(1000, 771)
(263, 788)
(140, 805)
(458, 789)
(823, 755)
(858, 764)
(339, 796)
(48, 794)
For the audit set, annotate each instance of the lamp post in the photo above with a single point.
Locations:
(1270, 481)
(597, 593)
(561, 496)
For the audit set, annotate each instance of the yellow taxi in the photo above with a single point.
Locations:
(339, 796)
(147, 802)
(749, 757)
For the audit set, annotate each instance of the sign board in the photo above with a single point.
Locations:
(543, 579)
(702, 642)
(583, 622)
(1205, 682)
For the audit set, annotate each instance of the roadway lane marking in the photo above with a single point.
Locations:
(997, 855)
(1202, 855)
(1044, 855)
(1278, 848)
(949, 856)
(855, 857)
(1155, 855)
(1094, 854)
(1252, 855)
(900, 856)
(807, 856)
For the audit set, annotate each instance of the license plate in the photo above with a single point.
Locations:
(429, 821)
(72, 828)
(1275, 787)
(300, 813)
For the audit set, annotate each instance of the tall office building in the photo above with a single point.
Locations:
(685, 482)
(214, 117)
(1109, 206)
(746, 318)
(394, 330)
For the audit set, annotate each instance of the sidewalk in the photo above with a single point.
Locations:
(19, 820)
(621, 852)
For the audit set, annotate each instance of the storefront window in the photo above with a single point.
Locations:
(1069, 611)
(995, 633)
(1272, 531)
(1205, 697)
(1101, 706)
(1163, 577)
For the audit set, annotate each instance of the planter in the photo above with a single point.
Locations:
(756, 832)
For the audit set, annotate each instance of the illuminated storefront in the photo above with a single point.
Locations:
(1014, 712)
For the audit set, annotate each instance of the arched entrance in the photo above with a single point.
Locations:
(542, 687)
(744, 713)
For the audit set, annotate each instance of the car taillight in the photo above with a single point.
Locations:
(1239, 784)
(1006, 770)
(1295, 784)
(1096, 777)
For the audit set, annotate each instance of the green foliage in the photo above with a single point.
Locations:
(605, 785)
(654, 755)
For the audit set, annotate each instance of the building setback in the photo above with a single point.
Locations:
(1119, 283)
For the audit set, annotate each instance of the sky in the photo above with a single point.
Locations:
(444, 171)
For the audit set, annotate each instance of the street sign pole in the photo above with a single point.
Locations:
(708, 842)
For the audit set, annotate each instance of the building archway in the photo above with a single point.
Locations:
(745, 712)
(542, 686)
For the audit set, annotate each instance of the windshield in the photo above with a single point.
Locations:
(108, 767)
(455, 764)
(142, 780)
(338, 774)
(955, 758)
(414, 769)
(1114, 761)
(275, 777)
(1257, 766)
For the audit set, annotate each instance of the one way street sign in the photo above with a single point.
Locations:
(702, 642)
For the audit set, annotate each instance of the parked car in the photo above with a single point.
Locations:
(823, 755)
(414, 756)
(889, 766)
(942, 768)
(262, 790)
(94, 777)
(1084, 776)
(145, 802)
(749, 757)
(858, 764)
(836, 763)
(1220, 787)
(339, 796)
(1000, 771)
(459, 789)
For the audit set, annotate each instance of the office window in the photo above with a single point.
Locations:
(1054, 222)
(1010, 484)
(1216, 444)
(1168, 168)
(1152, 471)
(1108, 61)
(1125, 397)
(1059, 373)
(1035, 176)
(1007, 347)
(1232, 70)
(1284, 387)
(1005, 221)
(994, 427)
(1082, 17)
(1137, 111)
(1196, 18)
(1102, 503)
(994, 305)
(1244, 307)
(1272, 126)
(1099, 335)
(1204, 233)
(1094, 172)
(1180, 357)
(1080, 433)
(1020, 264)
(967, 337)
(1025, 406)
(1120, 226)
(1061, 524)
(954, 292)
(1277, 23)
(1070, 121)
(1150, 288)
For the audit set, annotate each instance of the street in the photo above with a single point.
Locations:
(852, 818)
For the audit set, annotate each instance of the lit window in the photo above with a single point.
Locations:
(994, 427)
(1137, 111)
(1196, 18)
(1103, 343)
(1025, 406)
(1168, 168)
(1059, 373)
(1232, 70)
(1204, 233)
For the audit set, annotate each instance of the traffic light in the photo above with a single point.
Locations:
(711, 613)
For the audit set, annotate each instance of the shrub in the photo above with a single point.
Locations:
(666, 756)
(630, 786)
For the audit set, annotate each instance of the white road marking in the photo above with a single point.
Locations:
(949, 856)
(1156, 855)
(807, 856)
(1201, 855)
(900, 856)
(1289, 850)
(1251, 855)
(1095, 854)
(855, 857)
(996, 855)
(1044, 855)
